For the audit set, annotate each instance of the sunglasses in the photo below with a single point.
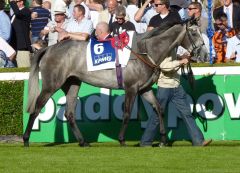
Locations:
(119, 18)
(156, 5)
(219, 24)
(192, 9)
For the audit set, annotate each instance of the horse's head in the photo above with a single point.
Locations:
(193, 40)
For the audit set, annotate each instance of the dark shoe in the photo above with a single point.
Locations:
(206, 142)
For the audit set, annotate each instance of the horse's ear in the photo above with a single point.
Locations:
(190, 21)
(193, 20)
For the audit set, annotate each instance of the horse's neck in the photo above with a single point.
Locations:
(175, 34)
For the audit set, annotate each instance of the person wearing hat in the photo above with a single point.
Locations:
(233, 46)
(54, 27)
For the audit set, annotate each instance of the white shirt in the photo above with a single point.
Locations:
(233, 46)
(53, 36)
(84, 26)
(131, 11)
(87, 11)
(230, 8)
(94, 17)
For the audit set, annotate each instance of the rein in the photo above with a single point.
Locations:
(150, 64)
(189, 76)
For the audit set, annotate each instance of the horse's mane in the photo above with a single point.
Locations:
(158, 30)
(142, 38)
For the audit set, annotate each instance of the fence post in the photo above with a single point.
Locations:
(210, 30)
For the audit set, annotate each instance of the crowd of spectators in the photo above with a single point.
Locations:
(24, 27)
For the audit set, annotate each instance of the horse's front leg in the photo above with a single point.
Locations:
(150, 98)
(130, 95)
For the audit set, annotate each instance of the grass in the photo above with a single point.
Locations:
(109, 157)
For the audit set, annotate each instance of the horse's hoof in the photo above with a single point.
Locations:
(26, 144)
(84, 144)
(122, 143)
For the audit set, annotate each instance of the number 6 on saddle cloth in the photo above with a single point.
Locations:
(102, 54)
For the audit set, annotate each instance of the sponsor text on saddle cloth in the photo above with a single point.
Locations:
(101, 54)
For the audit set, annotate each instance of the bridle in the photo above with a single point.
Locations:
(194, 52)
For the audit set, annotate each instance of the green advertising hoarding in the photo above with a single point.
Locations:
(214, 102)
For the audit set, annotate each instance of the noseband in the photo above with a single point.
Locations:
(196, 50)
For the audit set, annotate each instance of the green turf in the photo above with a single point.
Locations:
(220, 157)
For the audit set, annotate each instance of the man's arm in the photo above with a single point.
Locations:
(5, 31)
(139, 14)
(93, 6)
(22, 14)
(78, 36)
(169, 65)
(73, 36)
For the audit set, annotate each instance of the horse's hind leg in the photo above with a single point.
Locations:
(150, 98)
(41, 101)
(70, 88)
(130, 95)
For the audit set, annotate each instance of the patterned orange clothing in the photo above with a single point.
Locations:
(220, 43)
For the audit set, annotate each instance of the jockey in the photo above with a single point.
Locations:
(102, 31)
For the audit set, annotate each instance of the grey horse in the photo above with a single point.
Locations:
(63, 66)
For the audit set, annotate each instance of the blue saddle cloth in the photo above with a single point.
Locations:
(102, 52)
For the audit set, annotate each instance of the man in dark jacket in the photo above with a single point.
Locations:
(232, 11)
(21, 31)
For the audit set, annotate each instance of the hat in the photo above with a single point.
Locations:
(180, 3)
(60, 9)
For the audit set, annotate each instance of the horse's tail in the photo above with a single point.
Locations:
(33, 82)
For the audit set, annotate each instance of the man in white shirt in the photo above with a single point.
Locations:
(145, 13)
(81, 2)
(131, 10)
(78, 28)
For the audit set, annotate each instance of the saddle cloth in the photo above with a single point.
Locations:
(102, 55)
